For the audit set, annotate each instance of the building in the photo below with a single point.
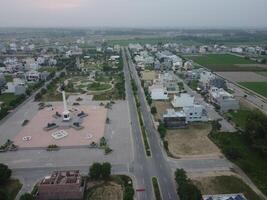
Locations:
(16, 87)
(205, 78)
(182, 100)
(174, 119)
(224, 100)
(61, 185)
(32, 76)
(148, 77)
(195, 113)
(169, 81)
(158, 92)
(224, 197)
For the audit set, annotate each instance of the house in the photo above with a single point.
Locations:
(188, 65)
(158, 92)
(44, 75)
(169, 81)
(195, 113)
(224, 100)
(182, 100)
(174, 119)
(61, 185)
(224, 197)
(205, 78)
(32, 76)
(16, 87)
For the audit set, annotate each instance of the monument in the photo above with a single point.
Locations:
(66, 112)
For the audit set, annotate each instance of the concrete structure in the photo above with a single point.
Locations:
(32, 76)
(223, 99)
(224, 197)
(158, 92)
(195, 113)
(182, 100)
(62, 185)
(174, 119)
(16, 87)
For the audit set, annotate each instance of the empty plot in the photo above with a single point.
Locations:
(192, 141)
(243, 76)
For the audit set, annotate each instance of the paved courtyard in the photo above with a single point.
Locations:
(93, 128)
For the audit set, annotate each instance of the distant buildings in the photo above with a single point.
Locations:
(61, 185)
(224, 197)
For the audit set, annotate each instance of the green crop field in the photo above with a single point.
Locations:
(258, 87)
(226, 62)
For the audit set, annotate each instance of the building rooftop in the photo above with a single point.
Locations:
(224, 197)
(62, 178)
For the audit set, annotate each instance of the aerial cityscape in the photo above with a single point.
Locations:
(133, 100)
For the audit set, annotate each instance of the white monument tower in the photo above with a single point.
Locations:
(66, 112)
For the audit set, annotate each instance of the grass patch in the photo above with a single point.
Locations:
(98, 86)
(156, 188)
(249, 160)
(225, 62)
(258, 87)
(239, 117)
(12, 188)
(8, 78)
(7, 98)
(225, 185)
(48, 69)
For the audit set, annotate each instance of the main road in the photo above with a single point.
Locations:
(144, 168)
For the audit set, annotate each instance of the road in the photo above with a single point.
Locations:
(156, 165)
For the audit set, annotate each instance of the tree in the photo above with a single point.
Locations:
(106, 170)
(26, 196)
(3, 194)
(162, 130)
(95, 171)
(153, 110)
(5, 173)
(188, 191)
(128, 193)
(180, 176)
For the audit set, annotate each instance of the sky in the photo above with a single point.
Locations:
(134, 13)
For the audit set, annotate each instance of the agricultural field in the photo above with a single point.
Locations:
(191, 141)
(227, 62)
(224, 185)
(258, 87)
(243, 76)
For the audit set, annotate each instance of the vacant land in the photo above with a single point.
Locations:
(227, 62)
(12, 188)
(161, 107)
(250, 161)
(192, 141)
(258, 87)
(243, 76)
(224, 185)
(239, 117)
(7, 98)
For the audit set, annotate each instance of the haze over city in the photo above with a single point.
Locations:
(133, 13)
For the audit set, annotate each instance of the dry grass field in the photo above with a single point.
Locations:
(192, 141)
(107, 191)
(161, 108)
(243, 76)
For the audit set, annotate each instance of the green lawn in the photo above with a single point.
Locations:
(8, 78)
(225, 185)
(251, 162)
(7, 98)
(98, 87)
(225, 62)
(48, 69)
(258, 87)
(12, 187)
(239, 117)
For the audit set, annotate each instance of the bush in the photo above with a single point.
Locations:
(153, 110)
(5, 173)
(95, 171)
(232, 153)
(128, 193)
(106, 170)
(162, 130)
(26, 196)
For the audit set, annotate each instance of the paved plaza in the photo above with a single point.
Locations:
(93, 128)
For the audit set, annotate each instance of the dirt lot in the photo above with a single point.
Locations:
(243, 76)
(192, 141)
(161, 108)
(228, 184)
(107, 191)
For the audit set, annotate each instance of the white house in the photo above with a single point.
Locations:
(183, 100)
(32, 76)
(223, 99)
(195, 113)
(205, 78)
